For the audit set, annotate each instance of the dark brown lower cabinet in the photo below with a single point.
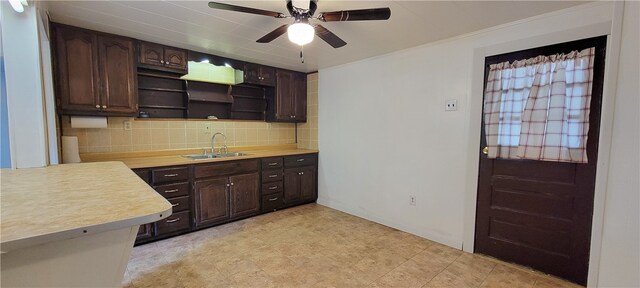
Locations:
(144, 232)
(245, 194)
(212, 201)
(299, 184)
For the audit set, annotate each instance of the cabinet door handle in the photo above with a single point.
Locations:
(273, 199)
(161, 61)
(301, 173)
(98, 106)
(273, 164)
(104, 106)
(173, 220)
(273, 187)
(300, 160)
(171, 191)
(273, 176)
(171, 175)
(176, 204)
(231, 183)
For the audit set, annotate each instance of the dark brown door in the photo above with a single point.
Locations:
(308, 183)
(292, 191)
(212, 201)
(284, 95)
(538, 213)
(77, 69)
(151, 54)
(175, 58)
(117, 74)
(300, 97)
(245, 194)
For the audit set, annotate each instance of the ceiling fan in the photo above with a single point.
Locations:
(300, 31)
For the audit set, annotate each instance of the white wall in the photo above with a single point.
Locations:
(27, 124)
(620, 254)
(384, 134)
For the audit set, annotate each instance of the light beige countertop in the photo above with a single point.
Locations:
(40, 205)
(151, 159)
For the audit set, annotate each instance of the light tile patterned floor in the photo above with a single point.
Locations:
(315, 246)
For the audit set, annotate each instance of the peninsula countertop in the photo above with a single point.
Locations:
(65, 201)
(152, 159)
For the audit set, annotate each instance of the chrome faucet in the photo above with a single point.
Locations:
(224, 145)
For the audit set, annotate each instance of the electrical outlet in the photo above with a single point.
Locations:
(206, 128)
(127, 125)
(412, 200)
(451, 105)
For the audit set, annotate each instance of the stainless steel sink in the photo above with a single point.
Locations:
(211, 156)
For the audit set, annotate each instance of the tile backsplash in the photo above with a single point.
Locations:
(308, 132)
(149, 135)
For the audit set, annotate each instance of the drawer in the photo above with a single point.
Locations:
(145, 174)
(179, 203)
(272, 202)
(273, 187)
(271, 176)
(174, 223)
(301, 160)
(272, 163)
(165, 175)
(226, 168)
(173, 190)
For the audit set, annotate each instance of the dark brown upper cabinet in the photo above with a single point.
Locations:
(163, 58)
(289, 103)
(259, 75)
(94, 72)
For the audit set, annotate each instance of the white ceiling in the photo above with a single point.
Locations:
(193, 25)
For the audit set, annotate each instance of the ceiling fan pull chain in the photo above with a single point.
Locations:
(301, 55)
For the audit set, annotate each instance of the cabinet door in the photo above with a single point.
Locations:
(308, 183)
(284, 95)
(151, 54)
(144, 232)
(76, 65)
(252, 73)
(245, 194)
(175, 58)
(212, 201)
(267, 76)
(117, 74)
(300, 97)
(292, 191)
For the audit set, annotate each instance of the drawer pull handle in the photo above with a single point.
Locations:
(273, 199)
(171, 175)
(273, 187)
(300, 160)
(273, 164)
(173, 220)
(273, 176)
(176, 204)
(171, 191)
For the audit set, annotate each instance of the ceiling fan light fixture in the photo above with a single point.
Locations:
(300, 33)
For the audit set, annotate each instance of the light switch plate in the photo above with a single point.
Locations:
(451, 105)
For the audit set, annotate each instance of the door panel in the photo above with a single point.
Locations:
(76, 65)
(212, 201)
(117, 74)
(284, 97)
(175, 58)
(538, 213)
(308, 183)
(291, 185)
(245, 194)
(300, 97)
(151, 54)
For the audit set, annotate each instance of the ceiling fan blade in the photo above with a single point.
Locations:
(223, 6)
(273, 34)
(329, 37)
(356, 15)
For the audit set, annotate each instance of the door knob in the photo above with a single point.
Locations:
(485, 150)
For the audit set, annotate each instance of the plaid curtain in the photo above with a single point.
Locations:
(538, 108)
